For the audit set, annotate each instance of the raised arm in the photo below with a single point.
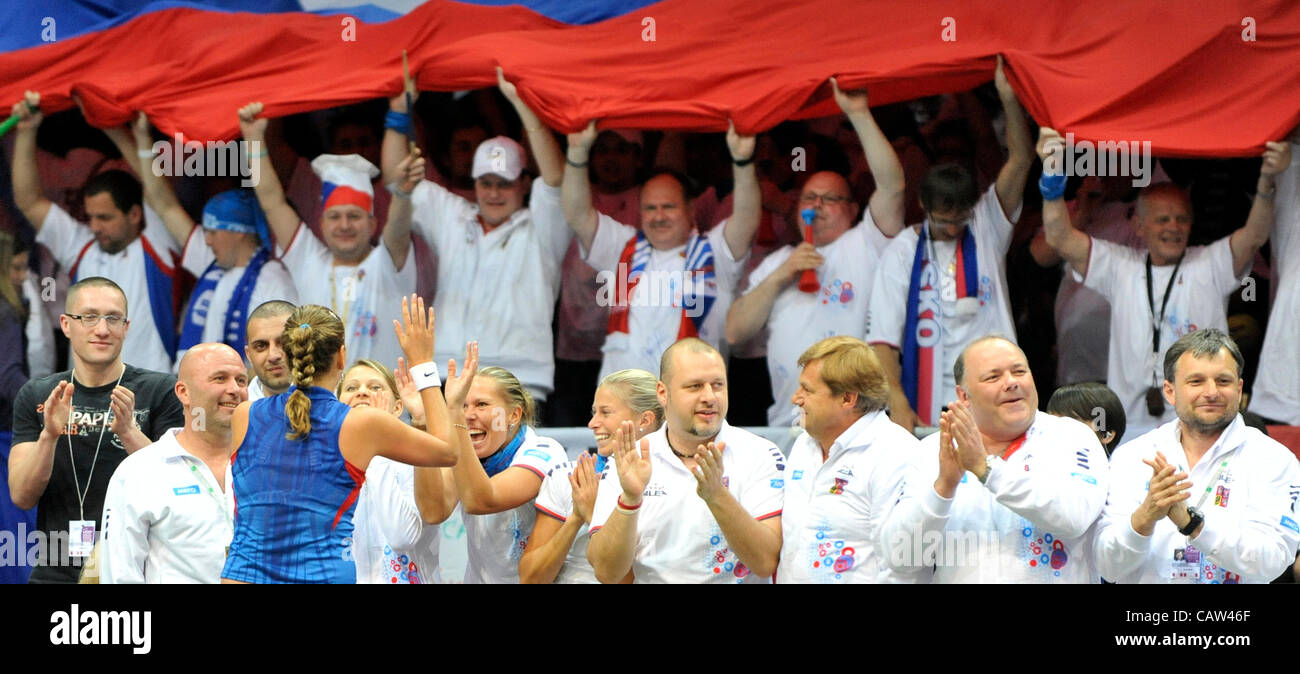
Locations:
(281, 217)
(575, 190)
(28, 195)
(1020, 152)
(743, 223)
(551, 540)
(1073, 245)
(397, 231)
(1254, 234)
(886, 202)
(435, 489)
(546, 150)
(158, 191)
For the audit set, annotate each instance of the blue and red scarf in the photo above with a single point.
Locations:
(699, 283)
(923, 334)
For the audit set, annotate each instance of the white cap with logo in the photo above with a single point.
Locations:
(500, 156)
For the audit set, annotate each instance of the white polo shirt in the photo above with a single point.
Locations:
(1250, 532)
(1198, 299)
(1276, 393)
(165, 518)
(677, 538)
(391, 544)
(799, 319)
(500, 287)
(556, 500)
(1030, 522)
(494, 543)
(66, 238)
(887, 311)
(273, 283)
(655, 304)
(834, 510)
(367, 297)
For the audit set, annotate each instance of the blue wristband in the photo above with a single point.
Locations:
(1052, 186)
(398, 121)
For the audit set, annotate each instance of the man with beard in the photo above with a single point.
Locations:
(168, 517)
(1241, 527)
(265, 353)
(700, 500)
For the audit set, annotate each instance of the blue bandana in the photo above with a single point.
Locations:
(501, 460)
(233, 211)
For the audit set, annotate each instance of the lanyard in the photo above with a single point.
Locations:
(212, 493)
(72, 459)
(1156, 322)
(349, 294)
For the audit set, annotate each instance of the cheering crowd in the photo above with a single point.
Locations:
(257, 391)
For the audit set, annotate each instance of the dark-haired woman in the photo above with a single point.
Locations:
(297, 474)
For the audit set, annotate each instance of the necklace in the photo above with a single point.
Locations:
(81, 494)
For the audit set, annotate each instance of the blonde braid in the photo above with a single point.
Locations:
(312, 335)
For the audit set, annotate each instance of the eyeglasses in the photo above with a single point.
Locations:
(91, 320)
(810, 198)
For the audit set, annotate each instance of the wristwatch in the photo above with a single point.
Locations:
(1194, 520)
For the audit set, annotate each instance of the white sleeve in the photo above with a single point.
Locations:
(125, 541)
(886, 485)
(1109, 266)
(1121, 551)
(158, 234)
(1286, 209)
(400, 523)
(1220, 267)
(40, 345)
(887, 311)
(725, 265)
(274, 283)
(64, 236)
(991, 223)
(434, 211)
(1066, 490)
(871, 234)
(555, 495)
(763, 494)
(547, 213)
(539, 458)
(1259, 542)
(917, 510)
(608, 243)
(400, 281)
(768, 266)
(304, 255)
(196, 257)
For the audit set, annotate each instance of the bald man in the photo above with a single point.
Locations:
(168, 517)
(843, 256)
(1002, 493)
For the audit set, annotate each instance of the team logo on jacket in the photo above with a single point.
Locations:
(838, 487)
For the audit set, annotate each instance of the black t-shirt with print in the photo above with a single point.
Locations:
(156, 410)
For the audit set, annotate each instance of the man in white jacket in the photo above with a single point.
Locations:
(1203, 499)
(1002, 493)
(168, 513)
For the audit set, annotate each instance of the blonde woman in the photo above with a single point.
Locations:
(557, 548)
(500, 470)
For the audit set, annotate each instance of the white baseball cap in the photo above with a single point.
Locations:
(500, 156)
